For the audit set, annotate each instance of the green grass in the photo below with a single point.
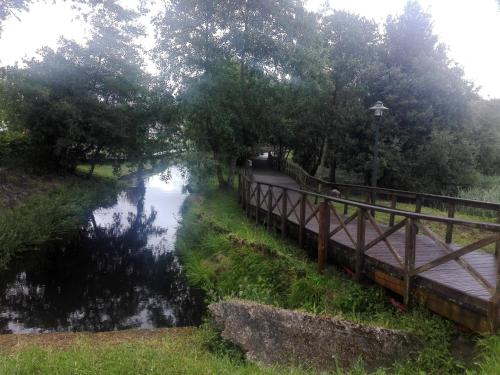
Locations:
(174, 354)
(109, 171)
(487, 189)
(229, 256)
(489, 357)
(46, 216)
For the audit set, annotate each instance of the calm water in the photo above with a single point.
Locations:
(119, 272)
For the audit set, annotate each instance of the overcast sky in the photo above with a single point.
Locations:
(470, 29)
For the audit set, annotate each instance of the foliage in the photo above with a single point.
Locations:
(13, 147)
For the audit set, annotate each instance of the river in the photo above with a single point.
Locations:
(120, 271)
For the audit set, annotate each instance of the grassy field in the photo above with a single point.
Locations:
(227, 255)
(173, 351)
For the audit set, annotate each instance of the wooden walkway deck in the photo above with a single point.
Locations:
(461, 289)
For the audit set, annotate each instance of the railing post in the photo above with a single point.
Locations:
(257, 205)
(323, 232)
(449, 226)
(494, 305)
(497, 244)
(302, 219)
(270, 208)
(283, 213)
(242, 200)
(410, 249)
(418, 204)
(394, 201)
(248, 190)
(373, 199)
(239, 187)
(346, 207)
(360, 243)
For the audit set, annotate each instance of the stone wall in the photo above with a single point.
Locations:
(276, 336)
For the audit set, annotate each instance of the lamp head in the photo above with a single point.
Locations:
(378, 109)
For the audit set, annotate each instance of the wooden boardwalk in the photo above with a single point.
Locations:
(461, 289)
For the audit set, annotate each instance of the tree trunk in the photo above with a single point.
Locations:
(219, 162)
(220, 176)
(232, 171)
(93, 162)
(321, 171)
(333, 169)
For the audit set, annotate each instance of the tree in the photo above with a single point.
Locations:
(425, 92)
(211, 108)
(92, 101)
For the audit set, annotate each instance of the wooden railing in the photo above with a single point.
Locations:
(375, 196)
(281, 205)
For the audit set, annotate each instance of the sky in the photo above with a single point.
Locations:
(469, 28)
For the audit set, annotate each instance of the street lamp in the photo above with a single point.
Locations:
(378, 110)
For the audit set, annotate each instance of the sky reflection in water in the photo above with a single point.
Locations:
(120, 272)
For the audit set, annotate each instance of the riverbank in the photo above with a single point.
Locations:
(37, 209)
(227, 255)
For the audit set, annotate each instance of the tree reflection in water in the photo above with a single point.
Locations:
(120, 272)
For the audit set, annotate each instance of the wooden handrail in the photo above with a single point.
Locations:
(400, 193)
(397, 212)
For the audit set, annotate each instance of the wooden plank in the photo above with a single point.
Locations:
(457, 253)
(460, 261)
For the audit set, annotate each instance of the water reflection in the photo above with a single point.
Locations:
(119, 272)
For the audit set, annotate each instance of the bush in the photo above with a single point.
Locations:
(14, 148)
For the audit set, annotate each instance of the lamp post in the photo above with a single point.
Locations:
(378, 110)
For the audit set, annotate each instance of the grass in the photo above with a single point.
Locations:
(174, 353)
(51, 210)
(228, 256)
(487, 189)
(109, 171)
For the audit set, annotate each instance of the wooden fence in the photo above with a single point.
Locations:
(376, 195)
(279, 207)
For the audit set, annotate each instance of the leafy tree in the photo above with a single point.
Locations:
(212, 114)
(91, 101)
